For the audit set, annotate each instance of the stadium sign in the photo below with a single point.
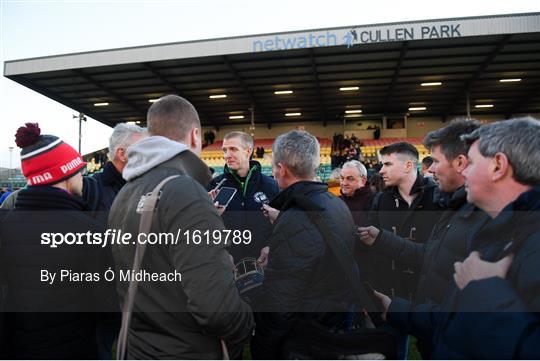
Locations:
(357, 36)
(369, 34)
(343, 37)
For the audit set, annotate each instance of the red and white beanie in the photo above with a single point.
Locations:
(46, 159)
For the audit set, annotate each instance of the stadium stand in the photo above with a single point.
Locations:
(212, 155)
(371, 147)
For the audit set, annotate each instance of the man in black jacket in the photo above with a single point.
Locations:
(99, 191)
(408, 208)
(52, 318)
(303, 279)
(354, 192)
(253, 190)
(101, 188)
(447, 243)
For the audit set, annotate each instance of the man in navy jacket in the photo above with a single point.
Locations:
(253, 189)
(492, 309)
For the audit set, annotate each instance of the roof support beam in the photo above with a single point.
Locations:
(481, 69)
(322, 108)
(174, 88)
(517, 106)
(244, 86)
(111, 93)
(395, 78)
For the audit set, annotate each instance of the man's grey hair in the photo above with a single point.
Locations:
(172, 117)
(245, 138)
(122, 136)
(362, 171)
(518, 139)
(299, 151)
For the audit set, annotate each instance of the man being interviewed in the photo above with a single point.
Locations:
(253, 190)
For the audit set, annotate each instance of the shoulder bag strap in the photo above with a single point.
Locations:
(149, 206)
(343, 256)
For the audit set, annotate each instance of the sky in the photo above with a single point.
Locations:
(39, 28)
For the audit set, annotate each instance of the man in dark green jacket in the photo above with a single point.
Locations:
(171, 319)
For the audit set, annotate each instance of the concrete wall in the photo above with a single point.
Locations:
(416, 127)
(317, 129)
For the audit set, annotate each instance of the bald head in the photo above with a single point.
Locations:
(172, 117)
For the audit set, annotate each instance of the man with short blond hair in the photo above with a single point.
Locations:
(187, 319)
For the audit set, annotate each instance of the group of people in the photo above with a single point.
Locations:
(345, 149)
(450, 259)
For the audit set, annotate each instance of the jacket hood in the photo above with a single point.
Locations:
(149, 152)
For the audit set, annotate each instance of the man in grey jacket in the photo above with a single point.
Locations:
(177, 319)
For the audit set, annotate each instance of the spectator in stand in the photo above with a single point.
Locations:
(335, 159)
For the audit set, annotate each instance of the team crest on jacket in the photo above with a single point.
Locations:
(260, 197)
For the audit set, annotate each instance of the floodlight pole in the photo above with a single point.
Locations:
(82, 118)
(10, 175)
(10, 156)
